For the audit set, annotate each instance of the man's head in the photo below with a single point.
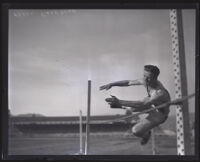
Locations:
(151, 73)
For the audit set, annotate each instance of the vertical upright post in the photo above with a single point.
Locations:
(182, 113)
(81, 132)
(88, 119)
(153, 141)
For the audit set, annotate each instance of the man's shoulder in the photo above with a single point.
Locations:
(162, 93)
(159, 83)
(160, 86)
(160, 89)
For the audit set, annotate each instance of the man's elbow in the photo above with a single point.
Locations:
(141, 105)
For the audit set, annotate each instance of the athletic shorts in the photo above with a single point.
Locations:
(153, 119)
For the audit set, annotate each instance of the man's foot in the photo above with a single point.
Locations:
(145, 139)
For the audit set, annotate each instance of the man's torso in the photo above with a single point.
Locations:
(163, 97)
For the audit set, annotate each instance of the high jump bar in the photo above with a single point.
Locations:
(154, 108)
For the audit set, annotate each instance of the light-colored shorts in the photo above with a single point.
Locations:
(153, 119)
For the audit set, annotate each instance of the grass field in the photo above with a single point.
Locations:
(100, 144)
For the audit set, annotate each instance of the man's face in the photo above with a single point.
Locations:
(148, 77)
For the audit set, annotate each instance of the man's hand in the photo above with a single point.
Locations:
(114, 102)
(107, 87)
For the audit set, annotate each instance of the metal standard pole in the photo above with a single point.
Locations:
(88, 119)
(81, 132)
(182, 113)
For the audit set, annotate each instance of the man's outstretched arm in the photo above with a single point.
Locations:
(114, 102)
(122, 84)
(136, 105)
(145, 103)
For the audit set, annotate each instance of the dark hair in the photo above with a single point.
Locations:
(152, 69)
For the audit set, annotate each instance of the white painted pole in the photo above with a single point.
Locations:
(81, 132)
(153, 141)
(88, 119)
(182, 113)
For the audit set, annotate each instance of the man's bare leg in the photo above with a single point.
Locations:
(145, 138)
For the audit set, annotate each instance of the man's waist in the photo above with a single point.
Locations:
(163, 112)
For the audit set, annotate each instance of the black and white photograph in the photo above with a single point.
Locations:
(101, 81)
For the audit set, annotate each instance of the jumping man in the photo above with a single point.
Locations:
(157, 95)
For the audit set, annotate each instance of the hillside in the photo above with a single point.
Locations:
(170, 124)
(30, 115)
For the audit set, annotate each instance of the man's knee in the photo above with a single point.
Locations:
(136, 132)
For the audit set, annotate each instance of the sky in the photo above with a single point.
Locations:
(53, 54)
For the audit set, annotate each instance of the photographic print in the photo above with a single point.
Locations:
(101, 81)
